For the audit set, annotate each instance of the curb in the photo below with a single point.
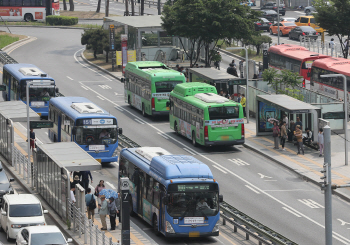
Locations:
(96, 66)
(15, 43)
(57, 27)
(308, 179)
(57, 220)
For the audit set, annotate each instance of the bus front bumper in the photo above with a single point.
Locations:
(229, 142)
(194, 234)
(107, 159)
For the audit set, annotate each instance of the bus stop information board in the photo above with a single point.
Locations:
(40, 124)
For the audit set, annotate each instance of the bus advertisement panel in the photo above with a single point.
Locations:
(92, 128)
(15, 78)
(176, 194)
(148, 85)
(198, 113)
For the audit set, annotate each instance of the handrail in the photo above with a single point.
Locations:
(6, 59)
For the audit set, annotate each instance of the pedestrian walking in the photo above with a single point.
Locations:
(85, 178)
(99, 188)
(320, 141)
(239, 97)
(300, 123)
(32, 139)
(275, 134)
(103, 211)
(346, 48)
(285, 119)
(283, 135)
(331, 46)
(90, 204)
(112, 212)
(233, 63)
(243, 102)
(117, 203)
(72, 196)
(299, 135)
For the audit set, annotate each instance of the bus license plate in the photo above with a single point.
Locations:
(99, 160)
(226, 137)
(194, 234)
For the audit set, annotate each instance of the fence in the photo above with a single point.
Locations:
(6, 59)
(322, 48)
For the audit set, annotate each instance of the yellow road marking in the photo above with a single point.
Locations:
(228, 239)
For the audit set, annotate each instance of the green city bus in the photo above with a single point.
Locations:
(148, 85)
(200, 114)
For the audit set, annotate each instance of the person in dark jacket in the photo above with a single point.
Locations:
(230, 69)
(85, 178)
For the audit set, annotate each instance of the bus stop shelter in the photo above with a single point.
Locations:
(271, 106)
(218, 78)
(10, 113)
(53, 164)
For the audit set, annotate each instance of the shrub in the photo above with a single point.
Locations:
(55, 20)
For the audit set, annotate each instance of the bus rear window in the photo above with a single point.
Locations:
(224, 112)
(168, 86)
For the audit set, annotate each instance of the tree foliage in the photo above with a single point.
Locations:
(258, 41)
(334, 18)
(207, 21)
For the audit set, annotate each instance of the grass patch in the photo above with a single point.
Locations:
(100, 61)
(241, 52)
(8, 38)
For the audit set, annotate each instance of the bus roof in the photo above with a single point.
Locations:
(295, 52)
(14, 70)
(337, 65)
(65, 103)
(148, 69)
(164, 166)
(188, 89)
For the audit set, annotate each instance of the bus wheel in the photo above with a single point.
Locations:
(175, 128)
(155, 224)
(143, 110)
(194, 143)
(28, 17)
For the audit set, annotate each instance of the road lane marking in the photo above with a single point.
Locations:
(139, 121)
(104, 86)
(290, 211)
(100, 98)
(251, 188)
(228, 239)
(189, 151)
(239, 162)
(118, 108)
(84, 87)
(163, 135)
(310, 203)
(338, 236)
(70, 78)
(219, 169)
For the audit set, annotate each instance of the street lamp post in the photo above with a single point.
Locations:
(345, 112)
(28, 132)
(278, 22)
(246, 76)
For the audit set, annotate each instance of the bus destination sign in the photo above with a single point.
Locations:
(40, 124)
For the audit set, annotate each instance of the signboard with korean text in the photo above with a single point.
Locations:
(224, 122)
(96, 121)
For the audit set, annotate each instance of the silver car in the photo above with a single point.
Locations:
(309, 9)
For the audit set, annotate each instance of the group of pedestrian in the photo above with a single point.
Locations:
(281, 132)
(232, 69)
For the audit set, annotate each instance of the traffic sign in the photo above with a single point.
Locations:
(40, 124)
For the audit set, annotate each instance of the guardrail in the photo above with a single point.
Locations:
(6, 59)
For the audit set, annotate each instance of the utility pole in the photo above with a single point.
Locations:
(327, 184)
(126, 13)
(278, 22)
(159, 8)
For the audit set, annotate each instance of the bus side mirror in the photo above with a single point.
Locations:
(122, 80)
(221, 198)
(57, 90)
(120, 131)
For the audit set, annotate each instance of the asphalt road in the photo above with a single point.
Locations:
(253, 184)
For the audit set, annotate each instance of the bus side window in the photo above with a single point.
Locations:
(149, 184)
(156, 193)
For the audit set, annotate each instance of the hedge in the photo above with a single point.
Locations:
(55, 20)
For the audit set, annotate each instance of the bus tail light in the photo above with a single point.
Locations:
(206, 132)
(153, 104)
(242, 130)
(259, 24)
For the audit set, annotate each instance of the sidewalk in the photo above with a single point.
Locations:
(307, 166)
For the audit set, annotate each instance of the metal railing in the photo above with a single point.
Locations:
(125, 142)
(21, 164)
(87, 230)
(6, 59)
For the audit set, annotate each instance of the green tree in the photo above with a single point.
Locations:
(258, 41)
(270, 75)
(334, 18)
(291, 79)
(205, 22)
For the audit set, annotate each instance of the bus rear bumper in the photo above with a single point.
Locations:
(160, 113)
(230, 142)
(201, 234)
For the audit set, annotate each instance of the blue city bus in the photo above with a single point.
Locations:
(15, 78)
(176, 194)
(94, 129)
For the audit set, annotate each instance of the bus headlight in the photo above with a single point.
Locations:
(169, 228)
(216, 227)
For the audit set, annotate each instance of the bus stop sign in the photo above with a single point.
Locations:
(40, 124)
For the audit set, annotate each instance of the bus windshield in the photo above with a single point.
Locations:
(166, 86)
(96, 134)
(38, 93)
(223, 112)
(193, 204)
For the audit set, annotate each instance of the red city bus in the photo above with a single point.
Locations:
(331, 86)
(294, 58)
(28, 10)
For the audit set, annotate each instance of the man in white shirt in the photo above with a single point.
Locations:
(72, 197)
(285, 119)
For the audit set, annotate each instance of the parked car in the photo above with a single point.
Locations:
(273, 6)
(288, 19)
(285, 28)
(20, 210)
(262, 24)
(309, 9)
(35, 235)
(308, 21)
(5, 186)
(302, 32)
(271, 15)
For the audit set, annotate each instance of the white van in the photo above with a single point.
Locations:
(20, 210)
